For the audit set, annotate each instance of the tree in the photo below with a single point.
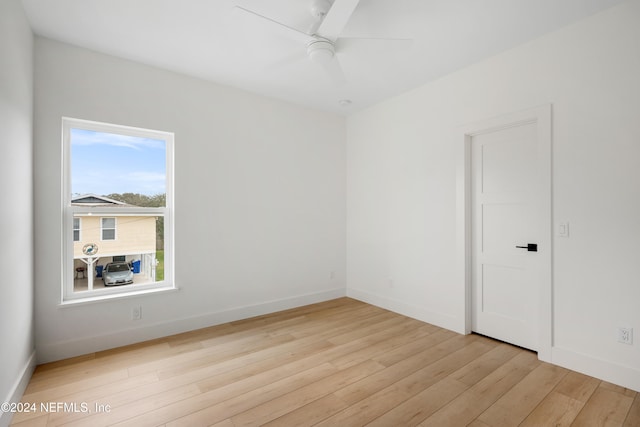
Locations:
(141, 200)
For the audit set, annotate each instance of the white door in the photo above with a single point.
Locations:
(505, 221)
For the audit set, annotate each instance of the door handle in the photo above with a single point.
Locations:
(531, 247)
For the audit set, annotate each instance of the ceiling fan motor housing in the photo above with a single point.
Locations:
(320, 50)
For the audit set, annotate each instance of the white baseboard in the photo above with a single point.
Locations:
(614, 373)
(16, 392)
(617, 374)
(438, 319)
(85, 345)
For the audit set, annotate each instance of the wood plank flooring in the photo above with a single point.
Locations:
(337, 363)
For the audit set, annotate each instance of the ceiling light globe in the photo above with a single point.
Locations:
(320, 51)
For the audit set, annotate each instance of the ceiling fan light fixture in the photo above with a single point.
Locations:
(320, 50)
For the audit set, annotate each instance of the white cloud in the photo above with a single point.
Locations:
(86, 137)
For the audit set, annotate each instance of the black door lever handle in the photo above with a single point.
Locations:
(531, 247)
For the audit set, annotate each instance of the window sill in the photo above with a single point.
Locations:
(121, 295)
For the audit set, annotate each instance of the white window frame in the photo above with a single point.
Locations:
(79, 229)
(115, 228)
(68, 295)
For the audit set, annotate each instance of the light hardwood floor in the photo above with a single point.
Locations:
(338, 363)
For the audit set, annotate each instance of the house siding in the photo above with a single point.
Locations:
(134, 235)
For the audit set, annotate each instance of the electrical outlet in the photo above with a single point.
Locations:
(625, 335)
(136, 313)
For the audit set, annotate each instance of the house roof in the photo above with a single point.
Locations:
(96, 200)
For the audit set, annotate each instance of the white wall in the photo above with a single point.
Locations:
(16, 217)
(260, 199)
(401, 187)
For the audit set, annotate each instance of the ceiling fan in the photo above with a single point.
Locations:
(323, 39)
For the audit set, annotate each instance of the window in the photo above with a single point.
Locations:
(108, 228)
(118, 205)
(76, 229)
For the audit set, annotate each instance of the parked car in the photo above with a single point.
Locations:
(117, 273)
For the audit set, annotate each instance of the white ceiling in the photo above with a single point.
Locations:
(213, 40)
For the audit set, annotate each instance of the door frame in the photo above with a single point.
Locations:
(541, 117)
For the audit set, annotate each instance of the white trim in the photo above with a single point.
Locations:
(79, 228)
(117, 129)
(442, 320)
(111, 292)
(130, 291)
(93, 343)
(621, 375)
(20, 385)
(102, 229)
(112, 254)
(67, 292)
(541, 116)
(108, 212)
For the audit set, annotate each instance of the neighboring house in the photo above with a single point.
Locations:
(117, 237)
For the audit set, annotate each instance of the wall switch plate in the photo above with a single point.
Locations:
(563, 229)
(136, 313)
(625, 335)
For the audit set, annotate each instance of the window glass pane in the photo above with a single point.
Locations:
(127, 169)
(76, 229)
(113, 181)
(108, 228)
(140, 237)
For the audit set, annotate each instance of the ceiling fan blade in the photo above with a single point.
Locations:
(283, 28)
(337, 19)
(314, 27)
(334, 71)
(344, 44)
(286, 61)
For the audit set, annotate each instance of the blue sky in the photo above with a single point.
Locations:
(104, 163)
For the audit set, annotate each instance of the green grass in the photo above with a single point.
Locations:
(160, 266)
